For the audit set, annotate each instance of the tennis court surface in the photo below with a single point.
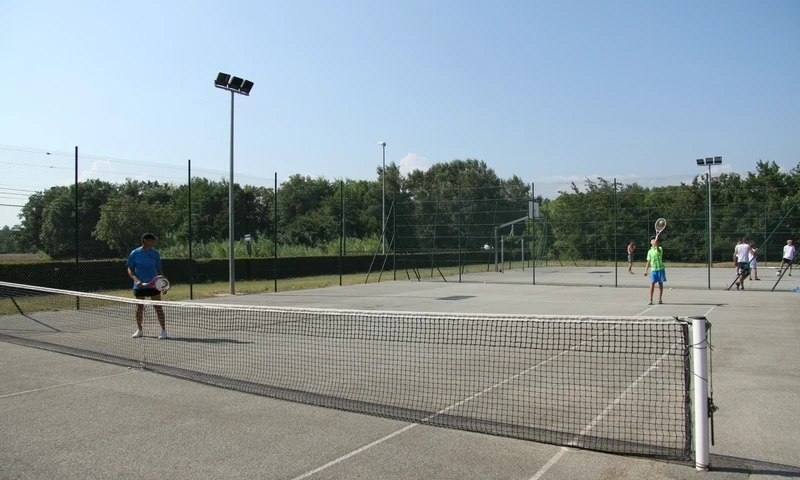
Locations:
(531, 381)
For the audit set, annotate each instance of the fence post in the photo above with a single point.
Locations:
(191, 258)
(533, 239)
(275, 238)
(341, 235)
(616, 264)
(766, 207)
(77, 234)
(458, 210)
(394, 237)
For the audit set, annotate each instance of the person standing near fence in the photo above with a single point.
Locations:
(631, 248)
(754, 261)
(144, 264)
(658, 273)
(741, 255)
(789, 251)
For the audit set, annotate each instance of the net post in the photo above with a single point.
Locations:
(700, 328)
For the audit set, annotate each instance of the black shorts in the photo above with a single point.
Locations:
(744, 269)
(145, 292)
(788, 260)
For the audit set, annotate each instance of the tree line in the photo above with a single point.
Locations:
(452, 205)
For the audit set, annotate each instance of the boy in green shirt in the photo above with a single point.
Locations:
(655, 262)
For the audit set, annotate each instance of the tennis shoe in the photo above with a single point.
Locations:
(660, 302)
(650, 303)
(137, 334)
(162, 335)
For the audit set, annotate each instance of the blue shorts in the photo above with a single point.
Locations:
(658, 276)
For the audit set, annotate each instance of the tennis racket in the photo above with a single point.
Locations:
(160, 283)
(661, 224)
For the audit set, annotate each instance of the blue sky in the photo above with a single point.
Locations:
(544, 90)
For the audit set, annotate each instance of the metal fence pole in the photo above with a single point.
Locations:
(341, 235)
(458, 211)
(394, 237)
(616, 264)
(77, 234)
(275, 237)
(533, 239)
(191, 258)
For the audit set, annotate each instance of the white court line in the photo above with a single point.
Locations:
(555, 458)
(549, 464)
(64, 384)
(457, 404)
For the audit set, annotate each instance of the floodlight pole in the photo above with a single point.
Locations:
(708, 162)
(231, 242)
(241, 86)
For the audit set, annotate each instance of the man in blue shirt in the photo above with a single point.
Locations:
(144, 264)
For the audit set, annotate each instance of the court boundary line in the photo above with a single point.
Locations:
(555, 458)
(64, 384)
(455, 405)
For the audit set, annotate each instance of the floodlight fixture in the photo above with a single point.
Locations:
(222, 80)
(233, 84)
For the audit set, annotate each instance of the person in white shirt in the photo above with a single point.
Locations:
(754, 261)
(743, 252)
(789, 251)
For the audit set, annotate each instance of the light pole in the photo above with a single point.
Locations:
(383, 200)
(242, 87)
(707, 162)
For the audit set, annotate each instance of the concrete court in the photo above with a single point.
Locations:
(722, 276)
(65, 417)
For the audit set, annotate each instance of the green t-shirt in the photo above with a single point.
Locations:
(656, 258)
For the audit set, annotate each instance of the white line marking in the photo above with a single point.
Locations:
(645, 311)
(355, 452)
(444, 410)
(549, 464)
(64, 384)
(709, 311)
(555, 458)
(616, 401)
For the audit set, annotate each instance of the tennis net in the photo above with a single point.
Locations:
(609, 384)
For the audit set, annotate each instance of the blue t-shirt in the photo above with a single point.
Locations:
(145, 264)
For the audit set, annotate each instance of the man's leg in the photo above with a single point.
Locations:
(160, 313)
(660, 291)
(652, 286)
(139, 314)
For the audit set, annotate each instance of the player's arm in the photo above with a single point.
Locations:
(647, 265)
(132, 276)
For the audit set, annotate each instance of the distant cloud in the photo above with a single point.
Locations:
(412, 162)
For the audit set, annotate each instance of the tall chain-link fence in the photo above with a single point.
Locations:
(70, 219)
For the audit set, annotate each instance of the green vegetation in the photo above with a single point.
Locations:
(451, 207)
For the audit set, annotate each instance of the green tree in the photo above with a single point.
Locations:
(123, 219)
